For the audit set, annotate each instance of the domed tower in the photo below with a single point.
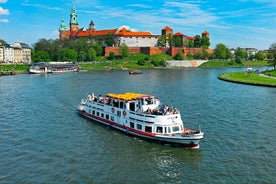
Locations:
(205, 34)
(62, 30)
(74, 26)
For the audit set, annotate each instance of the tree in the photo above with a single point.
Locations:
(3, 42)
(197, 42)
(273, 61)
(260, 56)
(190, 44)
(178, 42)
(205, 42)
(123, 50)
(240, 53)
(162, 41)
(66, 54)
(40, 56)
(222, 52)
(109, 41)
(82, 56)
(91, 54)
(170, 39)
(179, 56)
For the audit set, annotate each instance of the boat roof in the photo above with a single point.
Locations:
(127, 96)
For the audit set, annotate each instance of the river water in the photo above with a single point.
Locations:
(44, 140)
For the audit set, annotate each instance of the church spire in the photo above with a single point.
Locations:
(74, 26)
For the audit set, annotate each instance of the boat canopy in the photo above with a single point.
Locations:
(127, 96)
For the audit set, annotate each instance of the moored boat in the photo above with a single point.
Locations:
(140, 115)
(132, 72)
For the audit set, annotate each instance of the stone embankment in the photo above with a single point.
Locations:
(185, 63)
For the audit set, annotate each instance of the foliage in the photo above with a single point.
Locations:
(66, 54)
(123, 50)
(111, 56)
(161, 42)
(91, 54)
(141, 62)
(38, 56)
(178, 42)
(240, 53)
(260, 56)
(205, 42)
(3, 42)
(215, 64)
(179, 56)
(273, 61)
(222, 52)
(238, 59)
(109, 41)
(197, 42)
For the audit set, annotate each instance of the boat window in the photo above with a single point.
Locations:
(132, 106)
(122, 104)
(139, 127)
(98, 114)
(93, 112)
(148, 128)
(175, 128)
(159, 130)
(102, 115)
(119, 113)
(131, 125)
(169, 130)
(106, 116)
(165, 131)
(115, 103)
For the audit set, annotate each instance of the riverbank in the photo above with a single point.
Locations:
(133, 63)
(250, 78)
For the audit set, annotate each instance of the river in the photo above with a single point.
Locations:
(44, 140)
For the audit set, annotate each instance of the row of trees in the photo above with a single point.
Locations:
(177, 41)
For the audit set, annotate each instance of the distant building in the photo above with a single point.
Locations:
(15, 53)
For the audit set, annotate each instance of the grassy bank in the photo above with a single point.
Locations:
(219, 64)
(18, 68)
(248, 78)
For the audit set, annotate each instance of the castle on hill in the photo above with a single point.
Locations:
(137, 41)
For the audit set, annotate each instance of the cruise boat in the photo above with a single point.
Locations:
(53, 67)
(140, 115)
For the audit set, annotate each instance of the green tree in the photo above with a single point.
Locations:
(205, 42)
(98, 48)
(109, 40)
(66, 54)
(273, 61)
(111, 56)
(161, 42)
(190, 44)
(198, 55)
(222, 52)
(178, 42)
(260, 56)
(123, 50)
(170, 39)
(82, 56)
(240, 53)
(91, 54)
(40, 56)
(197, 42)
(3, 42)
(179, 56)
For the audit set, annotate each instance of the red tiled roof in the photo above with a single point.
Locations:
(167, 28)
(178, 34)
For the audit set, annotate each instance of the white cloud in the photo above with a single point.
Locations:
(4, 11)
(3, 1)
(4, 20)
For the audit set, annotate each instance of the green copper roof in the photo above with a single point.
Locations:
(73, 16)
(62, 26)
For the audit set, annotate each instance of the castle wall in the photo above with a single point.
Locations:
(137, 41)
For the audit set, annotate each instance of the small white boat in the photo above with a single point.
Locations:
(140, 115)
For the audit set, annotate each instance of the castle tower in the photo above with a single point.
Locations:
(74, 26)
(205, 34)
(92, 25)
(167, 31)
(62, 30)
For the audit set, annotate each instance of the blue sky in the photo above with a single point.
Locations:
(235, 23)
